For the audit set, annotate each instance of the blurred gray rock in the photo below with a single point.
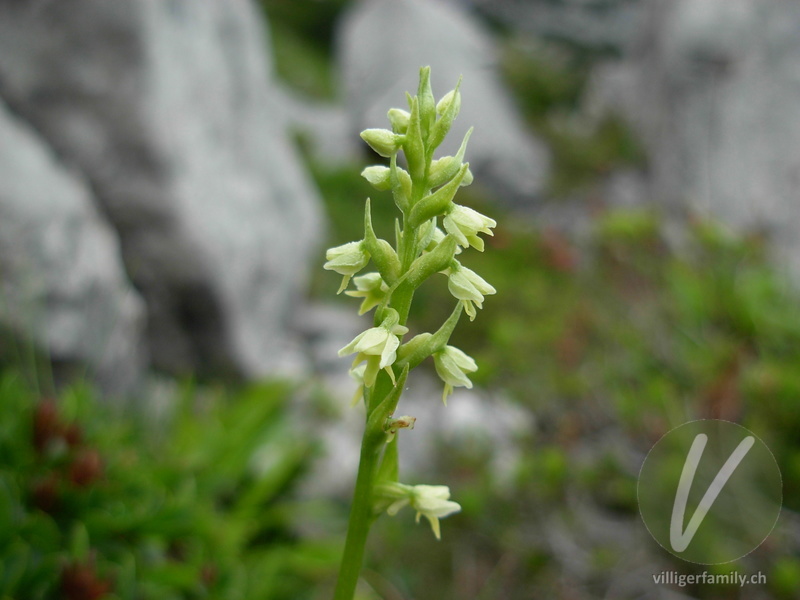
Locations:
(62, 283)
(168, 111)
(326, 128)
(382, 45)
(591, 24)
(713, 90)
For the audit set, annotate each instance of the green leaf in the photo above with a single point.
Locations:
(439, 202)
(431, 262)
(413, 146)
(389, 471)
(79, 543)
(381, 251)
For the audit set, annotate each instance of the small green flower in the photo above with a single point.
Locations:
(347, 259)
(371, 288)
(469, 287)
(430, 501)
(465, 224)
(378, 346)
(452, 366)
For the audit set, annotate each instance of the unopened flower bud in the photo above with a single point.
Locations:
(448, 109)
(382, 141)
(447, 100)
(442, 170)
(399, 119)
(427, 103)
(379, 177)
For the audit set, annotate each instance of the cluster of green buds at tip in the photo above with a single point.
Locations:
(429, 238)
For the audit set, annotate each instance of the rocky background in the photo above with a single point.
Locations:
(155, 212)
(154, 209)
(166, 169)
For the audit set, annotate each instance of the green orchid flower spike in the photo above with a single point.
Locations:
(430, 231)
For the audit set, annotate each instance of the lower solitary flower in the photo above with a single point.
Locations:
(430, 501)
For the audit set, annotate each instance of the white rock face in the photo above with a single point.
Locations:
(383, 43)
(169, 112)
(713, 90)
(62, 283)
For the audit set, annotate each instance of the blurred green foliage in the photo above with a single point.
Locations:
(92, 506)
(549, 83)
(301, 33)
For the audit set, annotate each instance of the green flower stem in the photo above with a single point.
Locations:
(361, 516)
(360, 521)
(401, 300)
(402, 297)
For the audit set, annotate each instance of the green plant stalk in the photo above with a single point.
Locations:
(361, 516)
(359, 524)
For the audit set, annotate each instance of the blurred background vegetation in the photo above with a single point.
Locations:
(609, 342)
